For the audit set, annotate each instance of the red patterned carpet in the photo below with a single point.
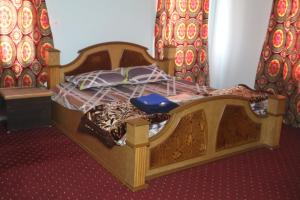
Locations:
(44, 164)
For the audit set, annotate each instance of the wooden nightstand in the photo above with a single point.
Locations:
(26, 107)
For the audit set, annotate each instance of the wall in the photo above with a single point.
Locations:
(237, 30)
(80, 23)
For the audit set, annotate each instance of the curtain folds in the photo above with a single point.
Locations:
(25, 34)
(279, 66)
(184, 24)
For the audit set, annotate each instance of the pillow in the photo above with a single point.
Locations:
(144, 74)
(153, 103)
(98, 78)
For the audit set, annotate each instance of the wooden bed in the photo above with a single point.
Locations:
(204, 130)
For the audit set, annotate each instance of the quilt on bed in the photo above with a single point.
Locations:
(107, 108)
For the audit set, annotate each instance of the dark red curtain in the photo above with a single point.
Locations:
(184, 24)
(279, 66)
(25, 34)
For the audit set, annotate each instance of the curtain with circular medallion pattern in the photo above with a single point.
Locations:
(184, 24)
(25, 34)
(279, 67)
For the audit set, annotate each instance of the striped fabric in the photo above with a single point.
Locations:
(144, 74)
(128, 75)
(99, 78)
(107, 108)
(68, 95)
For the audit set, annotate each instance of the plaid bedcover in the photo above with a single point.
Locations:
(106, 109)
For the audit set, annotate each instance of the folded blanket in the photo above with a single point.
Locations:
(107, 122)
(153, 103)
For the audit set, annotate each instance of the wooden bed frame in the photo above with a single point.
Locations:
(204, 130)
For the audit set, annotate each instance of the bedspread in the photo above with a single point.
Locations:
(106, 109)
(68, 95)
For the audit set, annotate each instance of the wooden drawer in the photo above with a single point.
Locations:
(28, 113)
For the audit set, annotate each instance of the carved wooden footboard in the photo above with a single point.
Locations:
(188, 140)
(198, 132)
(213, 128)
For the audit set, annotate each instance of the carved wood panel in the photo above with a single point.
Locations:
(96, 61)
(189, 140)
(132, 58)
(236, 128)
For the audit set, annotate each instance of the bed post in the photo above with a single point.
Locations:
(53, 63)
(169, 57)
(137, 162)
(272, 125)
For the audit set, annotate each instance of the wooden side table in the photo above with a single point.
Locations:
(26, 107)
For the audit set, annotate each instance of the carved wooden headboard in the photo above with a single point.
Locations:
(105, 56)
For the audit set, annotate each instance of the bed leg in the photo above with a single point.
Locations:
(272, 130)
(137, 161)
(272, 125)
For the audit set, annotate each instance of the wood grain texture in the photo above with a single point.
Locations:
(236, 128)
(92, 63)
(132, 58)
(24, 93)
(189, 140)
(276, 105)
(271, 127)
(53, 68)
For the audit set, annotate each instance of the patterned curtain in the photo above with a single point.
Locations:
(279, 66)
(24, 35)
(184, 24)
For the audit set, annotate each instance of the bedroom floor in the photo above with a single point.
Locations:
(44, 164)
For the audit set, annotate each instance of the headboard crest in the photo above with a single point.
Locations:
(105, 56)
